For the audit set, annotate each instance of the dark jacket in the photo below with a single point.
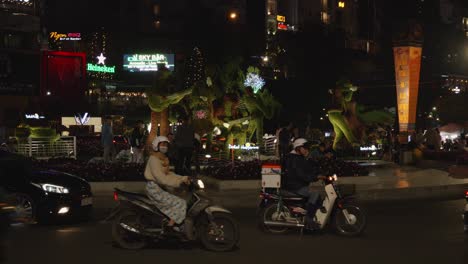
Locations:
(184, 136)
(299, 172)
(136, 139)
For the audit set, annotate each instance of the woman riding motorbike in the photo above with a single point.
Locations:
(159, 176)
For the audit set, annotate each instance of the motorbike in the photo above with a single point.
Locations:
(136, 221)
(281, 211)
(465, 214)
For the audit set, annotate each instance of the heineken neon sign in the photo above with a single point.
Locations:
(101, 68)
(148, 62)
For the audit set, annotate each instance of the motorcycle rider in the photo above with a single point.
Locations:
(158, 175)
(300, 171)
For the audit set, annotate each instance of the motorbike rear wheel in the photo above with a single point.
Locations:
(125, 238)
(273, 213)
(221, 234)
(357, 221)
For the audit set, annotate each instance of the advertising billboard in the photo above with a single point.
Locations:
(148, 62)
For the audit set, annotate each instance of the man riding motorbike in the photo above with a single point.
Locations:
(299, 173)
(159, 176)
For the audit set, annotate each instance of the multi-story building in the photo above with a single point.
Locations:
(20, 36)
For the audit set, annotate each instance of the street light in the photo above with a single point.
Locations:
(233, 15)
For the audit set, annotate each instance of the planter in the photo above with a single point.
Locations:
(459, 171)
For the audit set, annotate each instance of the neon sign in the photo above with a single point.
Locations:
(62, 36)
(99, 68)
(34, 116)
(148, 62)
(82, 120)
(282, 26)
(244, 147)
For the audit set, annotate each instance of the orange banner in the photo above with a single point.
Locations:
(407, 71)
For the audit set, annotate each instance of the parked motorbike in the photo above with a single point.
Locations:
(465, 214)
(281, 211)
(136, 221)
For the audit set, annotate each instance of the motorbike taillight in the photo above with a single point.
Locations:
(466, 194)
(116, 196)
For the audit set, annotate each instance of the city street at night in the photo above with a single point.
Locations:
(240, 131)
(414, 232)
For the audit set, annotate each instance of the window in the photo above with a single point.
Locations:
(325, 17)
(156, 10)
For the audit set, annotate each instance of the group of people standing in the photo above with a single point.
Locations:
(181, 146)
(287, 135)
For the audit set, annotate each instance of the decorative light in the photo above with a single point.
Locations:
(217, 131)
(101, 59)
(255, 81)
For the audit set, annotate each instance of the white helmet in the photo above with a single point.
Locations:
(300, 142)
(158, 140)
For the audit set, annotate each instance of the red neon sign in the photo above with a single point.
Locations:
(282, 26)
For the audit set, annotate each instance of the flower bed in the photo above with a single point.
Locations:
(251, 170)
(94, 172)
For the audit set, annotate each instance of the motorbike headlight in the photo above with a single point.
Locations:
(54, 188)
(335, 178)
(201, 185)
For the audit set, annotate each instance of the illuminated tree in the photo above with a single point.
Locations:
(195, 68)
(159, 100)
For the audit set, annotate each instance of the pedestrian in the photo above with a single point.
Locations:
(137, 142)
(107, 138)
(198, 147)
(185, 147)
(438, 139)
(284, 141)
(172, 152)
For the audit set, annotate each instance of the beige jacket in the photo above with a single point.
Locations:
(157, 170)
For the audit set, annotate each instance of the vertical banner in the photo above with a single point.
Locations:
(407, 71)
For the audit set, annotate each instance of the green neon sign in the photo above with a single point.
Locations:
(99, 68)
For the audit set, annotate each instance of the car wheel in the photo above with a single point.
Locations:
(25, 210)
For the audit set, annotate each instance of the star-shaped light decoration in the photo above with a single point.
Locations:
(101, 59)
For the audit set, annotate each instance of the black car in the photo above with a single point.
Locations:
(43, 195)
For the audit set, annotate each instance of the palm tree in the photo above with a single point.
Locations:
(261, 105)
(159, 100)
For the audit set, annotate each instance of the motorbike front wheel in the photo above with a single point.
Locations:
(124, 231)
(351, 224)
(220, 234)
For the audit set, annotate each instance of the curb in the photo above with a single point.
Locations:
(233, 194)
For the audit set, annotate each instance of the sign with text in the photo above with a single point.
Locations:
(407, 71)
(64, 36)
(148, 62)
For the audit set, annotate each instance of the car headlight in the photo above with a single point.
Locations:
(54, 188)
(201, 184)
